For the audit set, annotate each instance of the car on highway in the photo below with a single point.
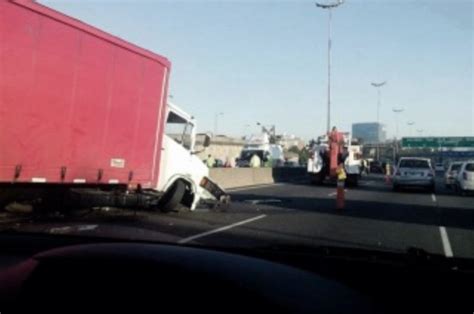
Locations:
(451, 173)
(439, 167)
(414, 172)
(219, 163)
(465, 178)
(375, 167)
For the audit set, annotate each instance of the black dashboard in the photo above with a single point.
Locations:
(48, 272)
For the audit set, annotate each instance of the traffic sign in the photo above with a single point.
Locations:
(437, 142)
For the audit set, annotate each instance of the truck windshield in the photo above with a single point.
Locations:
(179, 129)
(247, 154)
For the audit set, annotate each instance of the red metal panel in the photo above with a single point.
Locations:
(72, 96)
(335, 144)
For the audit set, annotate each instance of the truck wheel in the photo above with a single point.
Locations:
(172, 198)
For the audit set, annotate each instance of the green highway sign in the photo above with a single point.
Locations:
(437, 142)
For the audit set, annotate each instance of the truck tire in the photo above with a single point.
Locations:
(172, 198)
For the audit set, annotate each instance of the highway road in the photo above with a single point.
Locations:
(283, 214)
(374, 217)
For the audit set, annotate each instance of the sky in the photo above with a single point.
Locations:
(266, 61)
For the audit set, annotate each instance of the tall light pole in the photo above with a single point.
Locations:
(378, 86)
(329, 7)
(216, 118)
(397, 111)
(410, 124)
(420, 131)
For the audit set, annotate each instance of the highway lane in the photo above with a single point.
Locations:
(374, 217)
(302, 214)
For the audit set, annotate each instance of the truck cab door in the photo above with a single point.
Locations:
(176, 149)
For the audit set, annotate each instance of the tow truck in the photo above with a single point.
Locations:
(327, 152)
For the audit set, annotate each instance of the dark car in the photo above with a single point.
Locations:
(376, 167)
(219, 163)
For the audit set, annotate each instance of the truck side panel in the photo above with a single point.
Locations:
(73, 98)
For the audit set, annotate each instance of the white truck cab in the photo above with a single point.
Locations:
(259, 144)
(183, 177)
(318, 163)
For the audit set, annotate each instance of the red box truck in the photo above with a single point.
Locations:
(83, 109)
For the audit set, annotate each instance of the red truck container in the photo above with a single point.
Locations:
(76, 104)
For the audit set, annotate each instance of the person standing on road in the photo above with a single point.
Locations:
(268, 161)
(232, 162)
(229, 162)
(210, 161)
(387, 169)
(365, 166)
(255, 161)
(362, 167)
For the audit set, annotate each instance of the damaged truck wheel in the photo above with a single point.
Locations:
(172, 198)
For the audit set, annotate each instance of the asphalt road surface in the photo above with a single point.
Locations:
(286, 214)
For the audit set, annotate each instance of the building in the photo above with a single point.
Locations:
(369, 132)
(287, 141)
(222, 147)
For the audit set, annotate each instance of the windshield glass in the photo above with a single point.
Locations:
(335, 99)
(455, 167)
(247, 154)
(179, 129)
(413, 163)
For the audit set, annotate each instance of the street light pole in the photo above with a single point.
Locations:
(216, 117)
(329, 7)
(378, 86)
(396, 111)
(410, 124)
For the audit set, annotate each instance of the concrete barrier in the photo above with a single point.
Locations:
(240, 177)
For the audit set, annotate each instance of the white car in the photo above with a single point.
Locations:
(439, 167)
(465, 178)
(414, 172)
(451, 173)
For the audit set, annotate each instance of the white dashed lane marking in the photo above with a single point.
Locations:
(204, 234)
(448, 252)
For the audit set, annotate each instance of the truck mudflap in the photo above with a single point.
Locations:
(215, 190)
